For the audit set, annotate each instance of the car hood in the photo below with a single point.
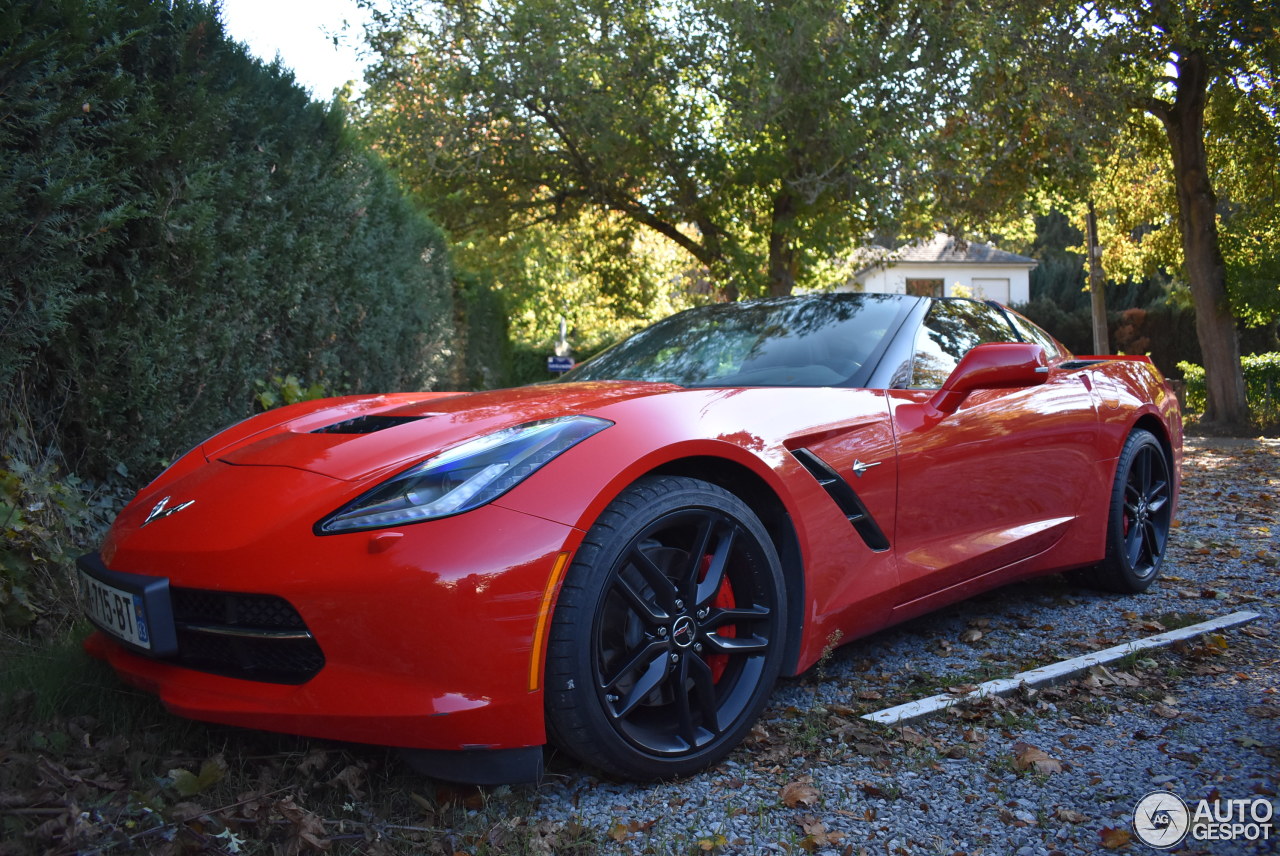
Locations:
(365, 437)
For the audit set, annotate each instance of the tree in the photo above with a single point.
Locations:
(760, 138)
(181, 221)
(604, 275)
(1139, 209)
(1175, 58)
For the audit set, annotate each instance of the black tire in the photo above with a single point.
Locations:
(668, 634)
(1139, 518)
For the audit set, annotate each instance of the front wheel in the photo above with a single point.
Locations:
(1138, 520)
(668, 633)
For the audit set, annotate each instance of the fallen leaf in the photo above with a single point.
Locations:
(307, 829)
(1009, 818)
(350, 778)
(712, 842)
(1124, 679)
(796, 794)
(315, 759)
(816, 834)
(971, 635)
(1069, 815)
(1114, 839)
(1028, 757)
(188, 784)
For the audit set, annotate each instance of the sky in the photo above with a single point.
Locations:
(302, 33)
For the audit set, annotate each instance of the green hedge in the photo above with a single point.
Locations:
(181, 224)
(1262, 388)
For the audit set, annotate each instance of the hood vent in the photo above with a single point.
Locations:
(367, 424)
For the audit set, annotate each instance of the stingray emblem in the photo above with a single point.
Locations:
(163, 510)
(859, 468)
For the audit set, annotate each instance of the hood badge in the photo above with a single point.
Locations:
(163, 510)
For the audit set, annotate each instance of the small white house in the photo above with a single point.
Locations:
(941, 266)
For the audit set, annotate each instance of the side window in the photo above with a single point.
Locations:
(1032, 333)
(951, 328)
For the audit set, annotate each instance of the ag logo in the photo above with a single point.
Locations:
(1161, 819)
(162, 510)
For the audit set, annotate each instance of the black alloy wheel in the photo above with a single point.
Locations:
(668, 633)
(1139, 518)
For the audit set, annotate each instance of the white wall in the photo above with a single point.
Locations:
(893, 280)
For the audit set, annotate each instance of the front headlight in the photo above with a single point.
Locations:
(464, 477)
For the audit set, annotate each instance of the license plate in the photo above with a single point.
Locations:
(121, 613)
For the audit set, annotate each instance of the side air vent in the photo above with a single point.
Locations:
(845, 497)
(367, 424)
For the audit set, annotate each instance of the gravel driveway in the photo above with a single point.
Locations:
(1054, 771)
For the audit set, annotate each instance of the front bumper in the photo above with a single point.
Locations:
(428, 631)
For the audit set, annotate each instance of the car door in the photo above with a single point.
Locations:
(996, 482)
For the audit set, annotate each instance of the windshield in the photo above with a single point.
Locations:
(813, 340)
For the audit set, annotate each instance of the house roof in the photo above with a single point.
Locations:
(942, 249)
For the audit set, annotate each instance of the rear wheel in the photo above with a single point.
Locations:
(1139, 519)
(667, 636)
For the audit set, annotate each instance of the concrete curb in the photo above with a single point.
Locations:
(1055, 672)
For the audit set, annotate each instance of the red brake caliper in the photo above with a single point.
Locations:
(724, 599)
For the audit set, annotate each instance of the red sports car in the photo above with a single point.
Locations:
(623, 562)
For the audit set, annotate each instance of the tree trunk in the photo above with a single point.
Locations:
(782, 249)
(1097, 286)
(1197, 214)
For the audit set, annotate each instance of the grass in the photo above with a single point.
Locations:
(1178, 620)
(921, 685)
(57, 680)
(88, 764)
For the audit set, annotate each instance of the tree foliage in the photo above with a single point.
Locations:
(1138, 226)
(181, 223)
(602, 274)
(1185, 62)
(760, 138)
